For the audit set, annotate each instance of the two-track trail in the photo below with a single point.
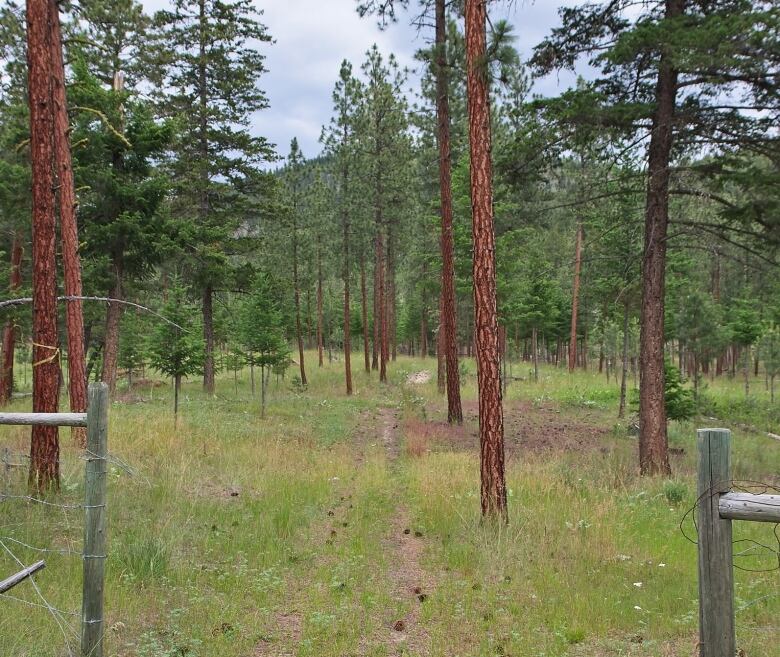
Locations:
(369, 541)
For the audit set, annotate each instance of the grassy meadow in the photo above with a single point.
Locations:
(349, 526)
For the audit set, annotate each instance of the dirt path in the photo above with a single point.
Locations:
(397, 629)
(410, 586)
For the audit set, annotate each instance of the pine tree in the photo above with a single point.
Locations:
(261, 331)
(385, 146)
(66, 196)
(648, 61)
(491, 420)
(294, 181)
(339, 140)
(44, 444)
(125, 231)
(175, 348)
(213, 68)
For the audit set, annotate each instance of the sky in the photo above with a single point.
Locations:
(312, 37)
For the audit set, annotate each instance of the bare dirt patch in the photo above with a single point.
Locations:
(527, 428)
(287, 634)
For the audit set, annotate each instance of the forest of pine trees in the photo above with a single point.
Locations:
(627, 225)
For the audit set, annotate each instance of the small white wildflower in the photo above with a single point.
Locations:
(638, 584)
(637, 607)
(662, 565)
(624, 557)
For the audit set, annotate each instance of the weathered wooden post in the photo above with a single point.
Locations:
(94, 556)
(716, 574)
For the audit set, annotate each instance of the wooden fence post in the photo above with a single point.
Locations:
(716, 575)
(94, 556)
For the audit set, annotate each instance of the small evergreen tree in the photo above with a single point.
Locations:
(176, 349)
(261, 331)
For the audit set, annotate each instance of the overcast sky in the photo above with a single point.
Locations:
(312, 37)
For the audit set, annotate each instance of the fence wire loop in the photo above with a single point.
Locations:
(756, 548)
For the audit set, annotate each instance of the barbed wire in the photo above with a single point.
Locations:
(21, 301)
(756, 548)
(57, 614)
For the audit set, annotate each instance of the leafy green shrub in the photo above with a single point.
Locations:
(679, 401)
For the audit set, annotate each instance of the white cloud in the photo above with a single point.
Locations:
(312, 37)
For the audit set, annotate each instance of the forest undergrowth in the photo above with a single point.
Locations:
(350, 526)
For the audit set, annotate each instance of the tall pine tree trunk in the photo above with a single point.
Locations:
(297, 295)
(9, 330)
(381, 303)
(653, 441)
(44, 471)
(346, 277)
(364, 313)
(575, 298)
(377, 314)
(203, 147)
(320, 346)
(447, 305)
(71, 263)
(491, 420)
(392, 346)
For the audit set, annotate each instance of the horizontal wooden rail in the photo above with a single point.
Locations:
(747, 506)
(13, 580)
(48, 419)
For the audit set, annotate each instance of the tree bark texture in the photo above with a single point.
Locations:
(653, 441)
(346, 277)
(491, 421)
(44, 442)
(364, 314)
(450, 339)
(71, 262)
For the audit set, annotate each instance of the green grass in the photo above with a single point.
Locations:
(235, 536)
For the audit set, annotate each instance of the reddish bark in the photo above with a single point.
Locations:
(381, 303)
(71, 262)
(653, 441)
(377, 314)
(447, 305)
(9, 331)
(491, 420)
(44, 442)
(346, 277)
(364, 313)
(391, 347)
